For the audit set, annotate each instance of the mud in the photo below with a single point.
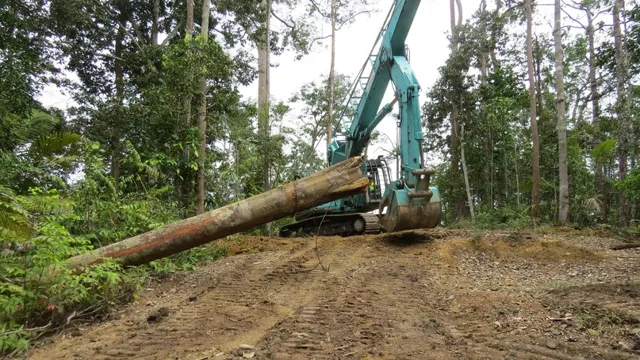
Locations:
(437, 294)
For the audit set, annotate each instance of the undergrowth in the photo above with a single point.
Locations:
(39, 295)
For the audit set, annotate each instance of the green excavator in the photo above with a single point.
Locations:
(408, 202)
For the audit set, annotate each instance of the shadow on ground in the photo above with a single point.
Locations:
(407, 238)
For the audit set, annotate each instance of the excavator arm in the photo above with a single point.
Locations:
(410, 201)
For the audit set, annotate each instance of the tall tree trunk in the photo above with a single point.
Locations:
(537, 59)
(189, 24)
(119, 81)
(595, 106)
(332, 73)
(154, 24)
(202, 113)
(186, 119)
(535, 190)
(263, 101)
(622, 106)
(466, 175)
(517, 175)
(455, 143)
(494, 58)
(483, 54)
(563, 211)
(593, 81)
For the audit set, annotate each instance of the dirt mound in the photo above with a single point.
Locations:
(527, 247)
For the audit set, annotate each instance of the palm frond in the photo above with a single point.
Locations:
(55, 143)
(595, 204)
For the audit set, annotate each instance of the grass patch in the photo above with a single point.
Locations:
(187, 260)
(595, 321)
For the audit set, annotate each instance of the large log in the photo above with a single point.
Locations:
(337, 181)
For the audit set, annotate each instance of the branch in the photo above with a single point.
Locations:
(318, 39)
(351, 18)
(29, 330)
(282, 21)
(572, 27)
(574, 20)
(136, 28)
(318, 9)
(172, 34)
(574, 6)
(110, 57)
(115, 17)
(624, 246)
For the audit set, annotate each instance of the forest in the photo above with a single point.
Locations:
(530, 128)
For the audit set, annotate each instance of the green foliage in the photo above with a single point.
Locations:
(187, 260)
(631, 185)
(38, 291)
(498, 219)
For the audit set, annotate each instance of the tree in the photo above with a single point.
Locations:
(622, 106)
(453, 117)
(563, 211)
(263, 97)
(535, 190)
(315, 101)
(186, 107)
(338, 13)
(332, 71)
(202, 112)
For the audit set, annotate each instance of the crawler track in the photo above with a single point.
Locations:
(335, 225)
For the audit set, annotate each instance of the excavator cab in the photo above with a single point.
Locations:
(379, 176)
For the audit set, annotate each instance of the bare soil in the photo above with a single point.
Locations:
(437, 294)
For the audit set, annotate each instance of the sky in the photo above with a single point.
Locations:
(428, 47)
(427, 41)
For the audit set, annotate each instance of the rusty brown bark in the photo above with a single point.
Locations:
(334, 182)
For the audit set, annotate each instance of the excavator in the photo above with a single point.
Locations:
(408, 202)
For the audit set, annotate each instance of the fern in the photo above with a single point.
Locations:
(55, 144)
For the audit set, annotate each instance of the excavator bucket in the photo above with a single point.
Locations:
(416, 207)
(406, 212)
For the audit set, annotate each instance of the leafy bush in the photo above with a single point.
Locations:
(502, 218)
(38, 292)
(187, 260)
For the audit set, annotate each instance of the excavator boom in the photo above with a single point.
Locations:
(410, 201)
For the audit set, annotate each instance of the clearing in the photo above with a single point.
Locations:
(428, 294)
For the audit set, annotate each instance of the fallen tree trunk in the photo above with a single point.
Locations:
(625, 246)
(337, 181)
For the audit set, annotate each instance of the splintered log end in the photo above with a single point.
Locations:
(359, 185)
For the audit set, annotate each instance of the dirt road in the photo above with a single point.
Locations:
(413, 295)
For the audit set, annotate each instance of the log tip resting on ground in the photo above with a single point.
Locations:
(334, 182)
